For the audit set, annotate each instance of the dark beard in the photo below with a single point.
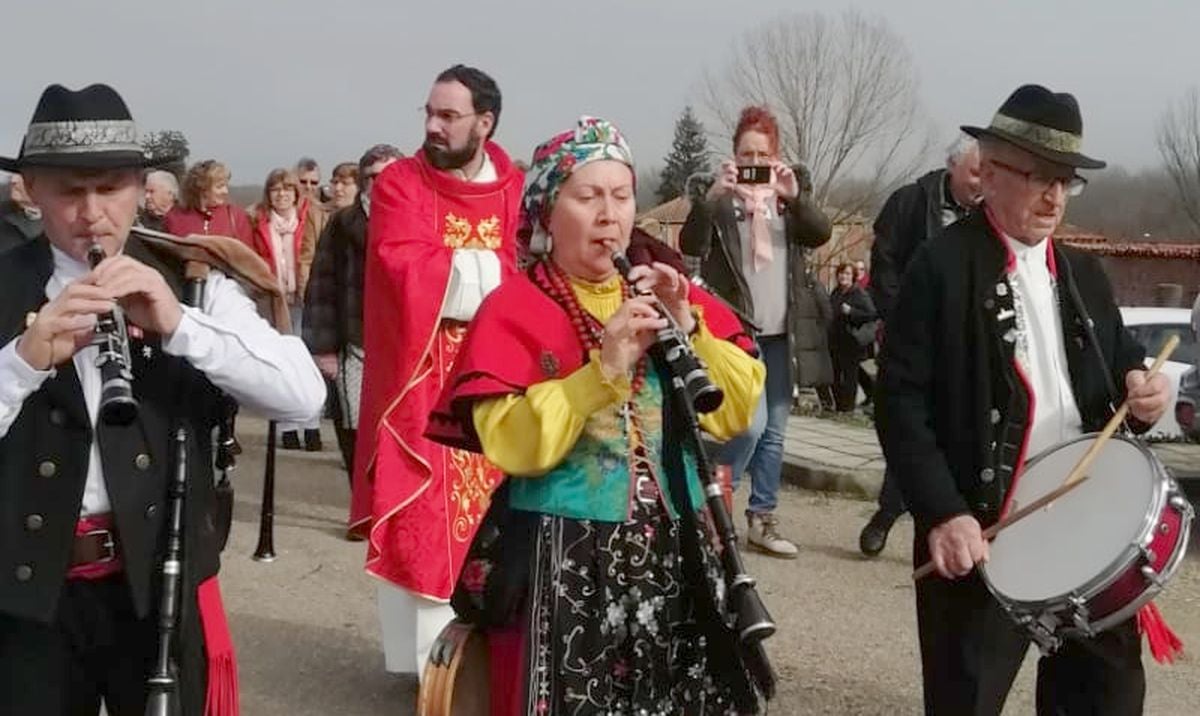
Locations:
(444, 159)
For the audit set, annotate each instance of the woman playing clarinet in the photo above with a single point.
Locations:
(602, 587)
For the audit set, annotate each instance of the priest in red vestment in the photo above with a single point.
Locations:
(441, 237)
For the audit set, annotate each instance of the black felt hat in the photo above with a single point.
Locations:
(1041, 122)
(88, 129)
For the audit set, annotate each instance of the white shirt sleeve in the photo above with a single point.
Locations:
(18, 380)
(474, 273)
(267, 373)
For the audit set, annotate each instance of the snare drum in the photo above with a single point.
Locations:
(456, 680)
(1092, 558)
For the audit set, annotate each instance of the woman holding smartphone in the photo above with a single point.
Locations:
(750, 233)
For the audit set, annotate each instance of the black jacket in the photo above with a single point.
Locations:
(911, 215)
(333, 305)
(952, 413)
(841, 332)
(44, 458)
(15, 227)
(711, 233)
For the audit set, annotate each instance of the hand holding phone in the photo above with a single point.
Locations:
(753, 174)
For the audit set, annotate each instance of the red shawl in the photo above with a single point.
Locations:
(418, 217)
(539, 344)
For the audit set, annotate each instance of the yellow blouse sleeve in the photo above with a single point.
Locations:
(528, 435)
(737, 373)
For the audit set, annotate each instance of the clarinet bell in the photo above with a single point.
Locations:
(118, 409)
(161, 703)
(754, 622)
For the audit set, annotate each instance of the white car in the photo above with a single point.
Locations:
(1151, 327)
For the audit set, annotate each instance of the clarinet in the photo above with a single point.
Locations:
(163, 684)
(117, 404)
(752, 623)
(704, 396)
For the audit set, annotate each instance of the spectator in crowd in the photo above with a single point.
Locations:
(308, 173)
(283, 237)
(313, 210)
(343, 187)
(205, 207)
(20, 219)
(861, 277)
(852, 333)
(161, 195)
(751, 239)
(333, 320)
(912, 215)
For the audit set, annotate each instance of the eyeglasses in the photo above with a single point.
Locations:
(309, 182)
(1072, 185)
(448, 116)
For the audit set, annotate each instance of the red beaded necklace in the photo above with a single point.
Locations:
(551, 279)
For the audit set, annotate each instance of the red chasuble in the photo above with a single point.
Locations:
(417, 502)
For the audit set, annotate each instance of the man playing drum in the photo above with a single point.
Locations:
(988, 363)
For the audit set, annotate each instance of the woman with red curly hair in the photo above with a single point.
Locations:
(750, 232)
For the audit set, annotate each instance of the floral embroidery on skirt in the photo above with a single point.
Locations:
(611, 628)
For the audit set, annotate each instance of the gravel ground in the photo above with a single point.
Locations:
(306, 627)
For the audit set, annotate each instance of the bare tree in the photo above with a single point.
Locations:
(846, 95)
(1179, 144)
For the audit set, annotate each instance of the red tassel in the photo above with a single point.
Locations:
(1165, 646)
(222, 696)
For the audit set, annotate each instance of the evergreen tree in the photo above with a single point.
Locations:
(689, 155)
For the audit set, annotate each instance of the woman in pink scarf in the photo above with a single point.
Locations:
(285, 239)
(750, 233)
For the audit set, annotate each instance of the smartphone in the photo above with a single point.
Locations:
(754, 175)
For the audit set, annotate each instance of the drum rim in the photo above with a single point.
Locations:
(1097, 585)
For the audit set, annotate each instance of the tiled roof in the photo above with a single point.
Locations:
(1135, 249)
(674, 211)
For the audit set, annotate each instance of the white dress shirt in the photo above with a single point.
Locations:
(474, 273)
(240, 353)
(1041, 349)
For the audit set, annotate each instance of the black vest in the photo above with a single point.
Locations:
(44, 457)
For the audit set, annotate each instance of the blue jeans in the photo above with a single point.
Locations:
(760, 448)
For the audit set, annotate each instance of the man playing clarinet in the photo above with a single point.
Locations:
(85, 503)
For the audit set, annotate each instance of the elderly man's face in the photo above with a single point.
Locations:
(965, 178)
(310, 183)
(80, 206)
(1026, 194)
(159, 198)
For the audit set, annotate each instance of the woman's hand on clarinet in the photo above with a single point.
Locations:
(956, 546)
(670, 287)
(1148, 399)
(628, 334)
(148, 302)
(63, 326)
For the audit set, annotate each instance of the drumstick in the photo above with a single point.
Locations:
(926, 569)
(1118, 417)
(1077, 475)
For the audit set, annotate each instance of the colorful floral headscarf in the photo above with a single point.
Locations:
(592, 140)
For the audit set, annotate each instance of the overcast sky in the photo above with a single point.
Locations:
(257, 83)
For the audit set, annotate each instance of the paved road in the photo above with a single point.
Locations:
(306, 628)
